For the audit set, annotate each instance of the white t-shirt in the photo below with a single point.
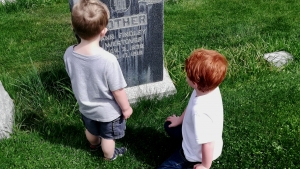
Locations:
(93, 79)
(203, 123)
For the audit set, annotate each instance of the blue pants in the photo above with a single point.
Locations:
(173, 132)
(177, 159)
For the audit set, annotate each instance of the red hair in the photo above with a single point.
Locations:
(206, 68)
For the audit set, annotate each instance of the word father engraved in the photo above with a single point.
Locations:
(128, 21)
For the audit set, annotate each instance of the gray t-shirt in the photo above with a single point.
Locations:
(93, 78)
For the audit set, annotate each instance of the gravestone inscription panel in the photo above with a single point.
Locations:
(135, 37)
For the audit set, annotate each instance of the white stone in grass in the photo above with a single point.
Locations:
(279, 58)
(7, 111)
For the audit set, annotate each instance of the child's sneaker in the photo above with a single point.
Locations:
(118, 152)
(95, 147)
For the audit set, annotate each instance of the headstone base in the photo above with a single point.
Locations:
(151, 90)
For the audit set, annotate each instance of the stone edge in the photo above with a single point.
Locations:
(151, 90)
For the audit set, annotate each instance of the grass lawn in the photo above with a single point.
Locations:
(261, 102)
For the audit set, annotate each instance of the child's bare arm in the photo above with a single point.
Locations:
(122, 100)
(207, 156)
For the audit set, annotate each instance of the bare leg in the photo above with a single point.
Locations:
(108, 147)
(94, 140)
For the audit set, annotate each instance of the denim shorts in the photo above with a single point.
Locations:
(108, 130)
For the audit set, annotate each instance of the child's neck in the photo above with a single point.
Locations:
(88, 47)
(201, 93)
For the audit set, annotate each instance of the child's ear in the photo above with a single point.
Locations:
(195, 85)
(103, 32)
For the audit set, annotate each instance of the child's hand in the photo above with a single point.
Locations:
(199, 166)
(127, 113)
(175, 120)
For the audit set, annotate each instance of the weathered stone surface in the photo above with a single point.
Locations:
(279, 58)
(6, 113)
(157, 90)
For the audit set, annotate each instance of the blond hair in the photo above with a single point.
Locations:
(89, 18)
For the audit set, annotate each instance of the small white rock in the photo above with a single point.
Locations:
(279, 58)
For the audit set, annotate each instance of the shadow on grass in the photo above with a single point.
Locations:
(49, 108)
(145, 144)
(69, 133)
(57, 83)
(148, 145)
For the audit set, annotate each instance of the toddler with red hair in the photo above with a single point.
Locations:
(200, 126)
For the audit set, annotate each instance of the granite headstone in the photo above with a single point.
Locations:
(135, 37)
(6, 113)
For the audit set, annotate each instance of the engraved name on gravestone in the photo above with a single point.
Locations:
(135, 37)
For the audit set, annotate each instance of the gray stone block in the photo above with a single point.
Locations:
(7, 111)
(157, 90)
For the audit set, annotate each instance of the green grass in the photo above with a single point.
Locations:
(261, 102)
